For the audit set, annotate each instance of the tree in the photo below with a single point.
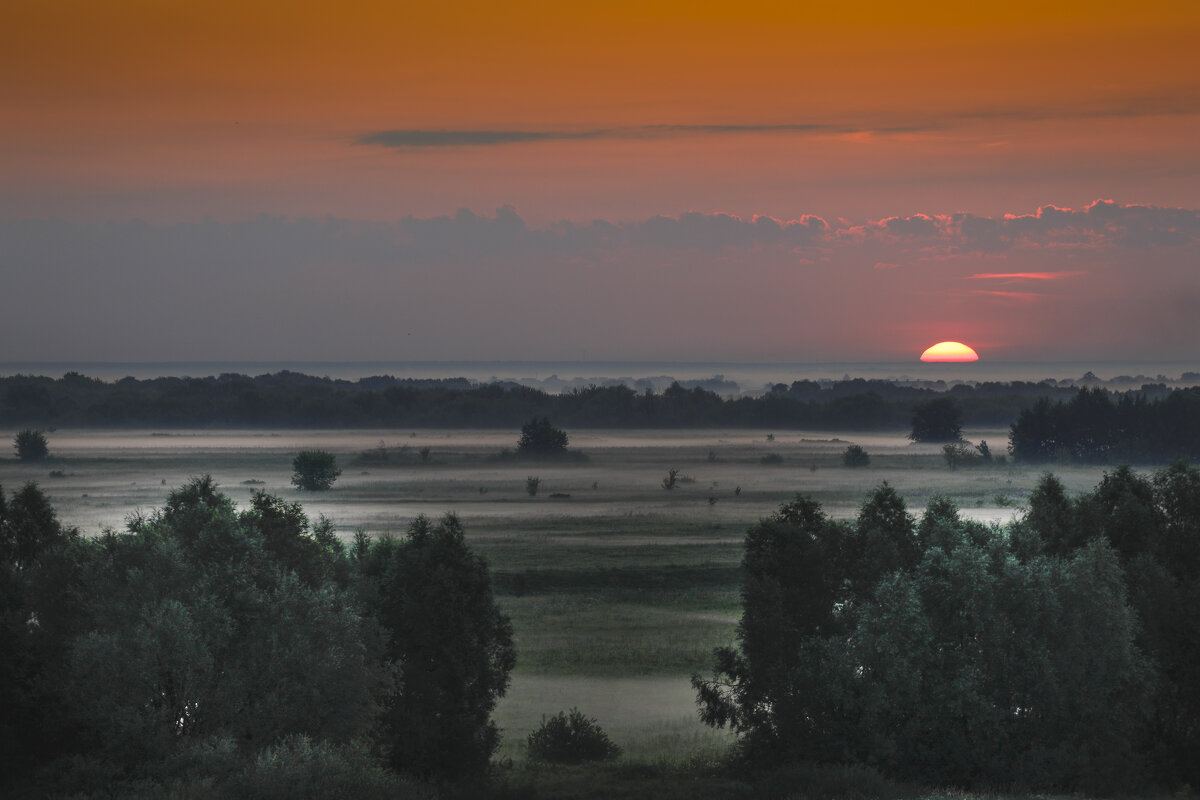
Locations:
(782, 687)
(314, 470)
(967, 666)
(540, 439)
(447, 636)
(938, 420)
(855, 456)
(188, 633)
(885, 538)
(1052, 517)
(30, 445)
(28, 525)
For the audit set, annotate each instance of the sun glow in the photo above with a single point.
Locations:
(949, 351)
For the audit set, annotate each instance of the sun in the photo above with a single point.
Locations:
(949, 351)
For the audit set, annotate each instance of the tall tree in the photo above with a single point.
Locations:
(454, 648)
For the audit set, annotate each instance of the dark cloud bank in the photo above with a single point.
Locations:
(694, 287)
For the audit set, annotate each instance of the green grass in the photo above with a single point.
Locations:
(621, 631)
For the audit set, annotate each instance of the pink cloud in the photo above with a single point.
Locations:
(1009, 277)
(1026, 297)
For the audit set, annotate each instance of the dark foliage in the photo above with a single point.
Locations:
(31, 445)
(1153, 525)
(450, 641)
(939, 420)
(213, 652)
(314, 470)
(570, 739)
(1093, 427)
(1061, 653)
(855, 456)
(288, 399)
(541, 439)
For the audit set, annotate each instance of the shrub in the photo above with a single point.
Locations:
(855, 456)
(964, 454)
(299, 767)
(314, 470)
(771, 458)
(531, 485)
(672, 478)
(571, 739)
(376, 455)
(30, 445)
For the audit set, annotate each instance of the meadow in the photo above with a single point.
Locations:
(618, 589)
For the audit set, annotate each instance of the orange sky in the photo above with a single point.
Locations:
(166, 107)
(175, 112)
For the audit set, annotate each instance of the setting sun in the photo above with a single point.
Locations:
(949, 351)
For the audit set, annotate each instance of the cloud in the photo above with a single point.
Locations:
(1184, 102)
(1101, 224)
(1021, 296)
(694, 286)
(1009, 277)
(414, 138)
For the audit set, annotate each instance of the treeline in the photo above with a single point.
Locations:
(288, 399)
(1059, 653)
(209, 651)
(1096, 427)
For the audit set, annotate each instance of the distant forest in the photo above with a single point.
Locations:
(1094, 427)
(292, 400)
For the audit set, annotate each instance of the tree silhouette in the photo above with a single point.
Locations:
(540, 438)
(938, 420)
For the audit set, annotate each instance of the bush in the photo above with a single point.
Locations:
(299, 767)
(964, 454)
(571, 739)
(531, 485)
(314, 470)
(30, 445)
(771, 458)
(855, 456)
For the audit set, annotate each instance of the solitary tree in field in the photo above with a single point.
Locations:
(314, 470)
(540, 438)
(856, 456)
(30, 445)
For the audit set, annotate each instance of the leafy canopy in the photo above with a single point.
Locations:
(314, 470)
(31, 445)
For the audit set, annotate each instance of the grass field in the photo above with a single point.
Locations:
(617, 588)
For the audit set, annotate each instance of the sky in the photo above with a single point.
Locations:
(770, 181)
